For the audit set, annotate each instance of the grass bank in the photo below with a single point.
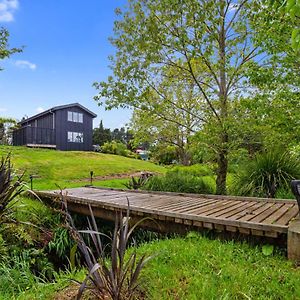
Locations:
(196, 267)
(72, 168)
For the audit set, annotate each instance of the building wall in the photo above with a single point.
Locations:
(62, 126)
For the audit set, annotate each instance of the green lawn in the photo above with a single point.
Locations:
(199, 268)
(72, 168)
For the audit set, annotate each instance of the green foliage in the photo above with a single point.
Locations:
(194, 170)
(10, 188)
(117, 148)
(61, 243)
(267, 173)
(169, 52)
(5, 51)
(179, 182)
(196, 267)
(164, 154)
(114, 148)
(135, 184)
(117, 278)
(3, 249)
(101, 135)
(267, 250)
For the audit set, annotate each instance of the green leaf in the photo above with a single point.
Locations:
(267, 250)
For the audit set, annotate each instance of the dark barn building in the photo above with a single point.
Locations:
(65, 127)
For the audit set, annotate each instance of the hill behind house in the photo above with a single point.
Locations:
(72, 168)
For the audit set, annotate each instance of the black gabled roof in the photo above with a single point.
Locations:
(58, 108)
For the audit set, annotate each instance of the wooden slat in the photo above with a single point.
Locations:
(256, 212)
(216, 206)
(235, 210)
(278, 214)
(176, 203)
(247, 212)
(288, 216)
(259, 218)
(248, 216)
(191, 206)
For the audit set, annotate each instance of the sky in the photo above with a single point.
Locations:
(66, 49)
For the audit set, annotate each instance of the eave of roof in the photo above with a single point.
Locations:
(50, 110)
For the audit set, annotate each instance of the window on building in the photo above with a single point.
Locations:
(75, 117)
(75, 137)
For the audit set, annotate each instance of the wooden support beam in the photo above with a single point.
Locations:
(294, 240)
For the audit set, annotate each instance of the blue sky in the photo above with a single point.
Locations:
(65, 50)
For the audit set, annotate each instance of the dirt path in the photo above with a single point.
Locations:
(113, 176)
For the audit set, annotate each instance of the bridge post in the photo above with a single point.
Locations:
(294, 240)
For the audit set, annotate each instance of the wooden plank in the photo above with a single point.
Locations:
(153, 202)
(256, 212)
(288, 216)
(177, 203)
(198, 223)
(259, 218)
(187, 222)
(219, 227)
(163, 202)
(192, 214)
(247, 212)
(191, 205)
(244, 230)
(234, 210)
(278, 214)
(272, 234)
(208, 225)
(185, 210)
(231, 228)
(257, 232)
(210, 208)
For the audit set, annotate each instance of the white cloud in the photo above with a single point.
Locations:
(23, 64)
(40, 109)
(7, 10)
(2, 109)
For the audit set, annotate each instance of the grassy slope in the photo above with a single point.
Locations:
(67, 168)
(196, 268)
(199, 268)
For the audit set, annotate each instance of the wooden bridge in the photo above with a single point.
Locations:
(173, 212)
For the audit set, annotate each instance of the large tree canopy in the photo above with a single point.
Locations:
(208, 42)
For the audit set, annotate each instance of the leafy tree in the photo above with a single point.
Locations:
(101, 135)
(186, 36)
(171, 121)
(292, 8)
(6, 127)
(5, 51)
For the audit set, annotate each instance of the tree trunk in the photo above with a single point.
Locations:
(223, 150)
(222, 167)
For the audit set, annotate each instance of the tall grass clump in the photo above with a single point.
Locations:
(267, 174)
(175, 181)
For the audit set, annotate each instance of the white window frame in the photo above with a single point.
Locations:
(74, 116)
(75, 137)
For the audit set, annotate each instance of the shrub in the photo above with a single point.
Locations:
(10, 187)
(115, 278)
(117, 148)
(177, 182)
(194, 170)
(266, 174)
